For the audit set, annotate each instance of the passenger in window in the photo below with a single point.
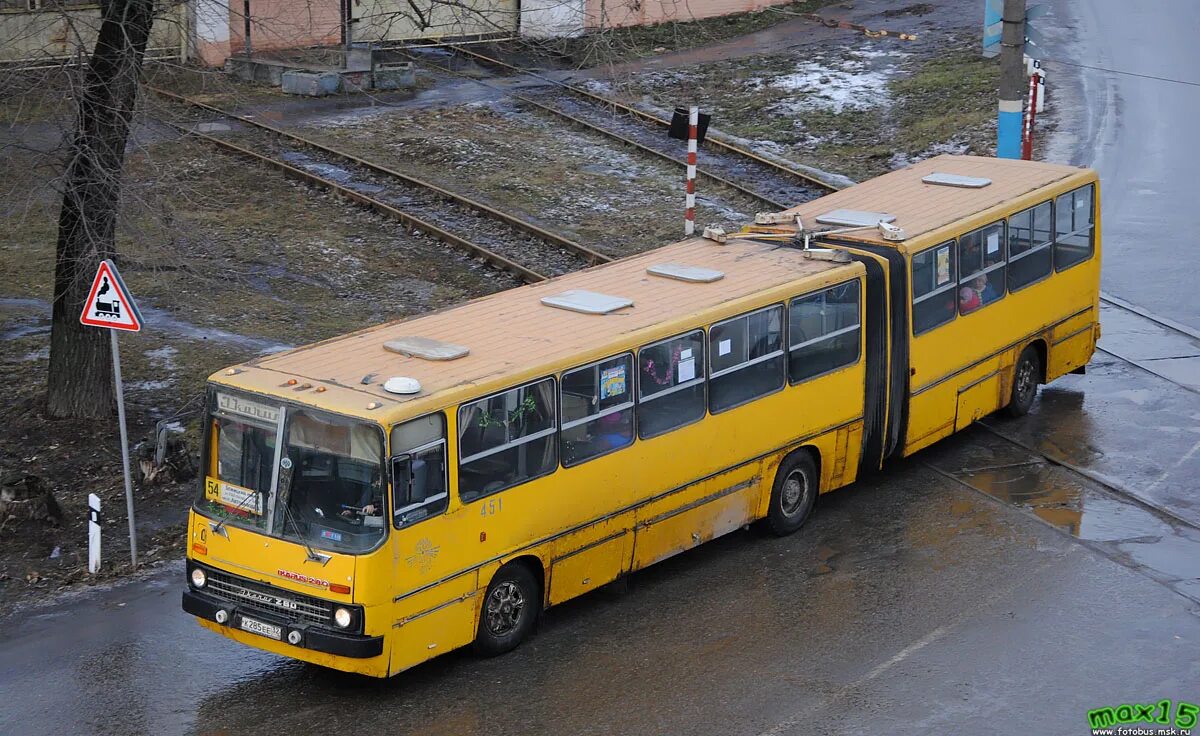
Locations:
(987, 292)
(969, 298)
(613, 432)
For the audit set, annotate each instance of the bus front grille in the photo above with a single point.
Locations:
(295, 607)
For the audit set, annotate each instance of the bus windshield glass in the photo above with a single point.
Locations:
(324, 488)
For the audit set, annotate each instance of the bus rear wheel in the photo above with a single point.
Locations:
(510, 608)
(1026, 376)
(793, 495)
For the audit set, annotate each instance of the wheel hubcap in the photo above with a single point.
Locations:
(504, 607)
(795, 493)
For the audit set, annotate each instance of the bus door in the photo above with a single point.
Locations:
(885, 399)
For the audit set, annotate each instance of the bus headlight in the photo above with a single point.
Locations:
(199, 579)
(342, 617)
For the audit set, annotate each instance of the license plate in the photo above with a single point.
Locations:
(258, 627)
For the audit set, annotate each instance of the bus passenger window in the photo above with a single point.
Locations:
(747, 358)
(419, 485)
(670, 384)
(823, 332)
(597, 409)
(1029, 240)
(934, 287)
(1073, 227)
(506, 439)
(981, 265)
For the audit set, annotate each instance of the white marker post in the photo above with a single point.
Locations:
(689, 217)
(103, 308)
(93, 533)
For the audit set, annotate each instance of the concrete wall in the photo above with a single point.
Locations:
(56, 33)
(285, 24)
(395, 20)
(552, 18)
(615, 13)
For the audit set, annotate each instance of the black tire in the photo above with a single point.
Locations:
(1026, 376)
(793, 495)
(510, 608)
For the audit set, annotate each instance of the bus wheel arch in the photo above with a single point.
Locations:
(510, 606)
(1029, 371)
(794, 491)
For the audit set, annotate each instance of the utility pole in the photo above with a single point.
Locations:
(1012, 80)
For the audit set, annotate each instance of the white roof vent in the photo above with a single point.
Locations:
(941, 178)
(402, 385)
(681, 272)
(413, 346)
(854, 218)
(587, 302)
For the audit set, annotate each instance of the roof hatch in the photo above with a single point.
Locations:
(854, 218)
(414, 346)
(587, 302)
(681, 272)
(941, 178)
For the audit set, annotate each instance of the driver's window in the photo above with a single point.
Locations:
(419, 470)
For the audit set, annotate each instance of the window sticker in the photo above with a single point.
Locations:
(993, 244)
(685, 354)
(725, 347)
(612, 382)
(687, 368)
(943, 265)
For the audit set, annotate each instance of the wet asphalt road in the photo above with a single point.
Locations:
(1139, 133)
(980, 587)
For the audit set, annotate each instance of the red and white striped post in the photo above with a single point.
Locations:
(1027, 142)
(689, 217)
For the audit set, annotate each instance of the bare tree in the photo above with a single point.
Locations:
(80, 380)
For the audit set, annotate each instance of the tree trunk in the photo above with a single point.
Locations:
(80, 382)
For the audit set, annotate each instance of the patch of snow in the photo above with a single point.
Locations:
(857, 81)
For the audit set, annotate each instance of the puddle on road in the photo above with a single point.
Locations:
(1134, 535)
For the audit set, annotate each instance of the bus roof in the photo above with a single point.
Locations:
(513, 337)
(922, 208)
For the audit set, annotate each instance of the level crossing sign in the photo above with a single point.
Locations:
(109, 303)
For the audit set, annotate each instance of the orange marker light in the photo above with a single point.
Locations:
(483, 536)
(200, 549)
(290, 382)
(339, 588)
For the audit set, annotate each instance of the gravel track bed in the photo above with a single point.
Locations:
(763, 180)
(461, 220)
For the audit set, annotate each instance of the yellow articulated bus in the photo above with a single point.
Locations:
(378, 499)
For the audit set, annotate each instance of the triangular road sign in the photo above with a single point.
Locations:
(109, 303)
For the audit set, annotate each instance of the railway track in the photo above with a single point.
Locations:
(499, 238)
(773, 188)
(715, 143)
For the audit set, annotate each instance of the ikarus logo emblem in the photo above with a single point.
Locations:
(423, 555)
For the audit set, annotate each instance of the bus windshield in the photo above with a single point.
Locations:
(323, 488)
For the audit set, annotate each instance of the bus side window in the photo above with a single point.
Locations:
(597, 409)
(981, 265)
(747, 358)
(934, 283)
(1029, 241)
(823, 331)
(507, 439)
(419, 480)
(1074, 227)
(670, 384)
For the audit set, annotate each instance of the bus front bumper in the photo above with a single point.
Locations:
(356, 646)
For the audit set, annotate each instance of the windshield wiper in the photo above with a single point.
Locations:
(312, 553)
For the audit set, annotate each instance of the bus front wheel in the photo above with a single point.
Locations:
(1025, 382)
(509, 610)
(793, 495)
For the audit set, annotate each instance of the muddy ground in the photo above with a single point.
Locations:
(228, 260)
